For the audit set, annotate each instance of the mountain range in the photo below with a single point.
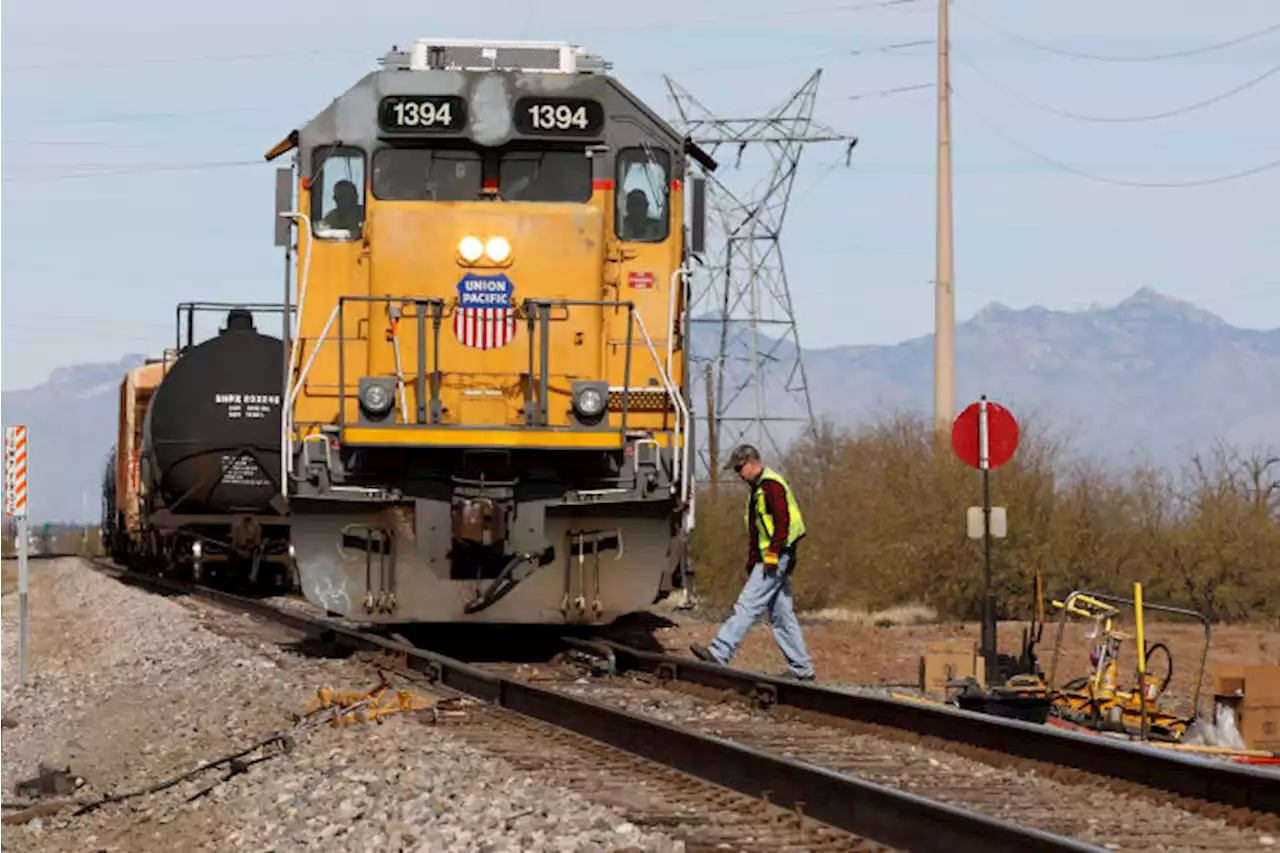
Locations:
(1151, 375)
(71, 425)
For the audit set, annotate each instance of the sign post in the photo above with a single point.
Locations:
(15, 504)
(985, 436)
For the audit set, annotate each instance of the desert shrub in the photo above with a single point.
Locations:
(885, 509)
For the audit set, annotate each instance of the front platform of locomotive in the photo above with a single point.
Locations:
(488, 420)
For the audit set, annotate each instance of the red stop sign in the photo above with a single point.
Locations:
(1002, 435)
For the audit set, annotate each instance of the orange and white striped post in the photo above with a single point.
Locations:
(15, 504)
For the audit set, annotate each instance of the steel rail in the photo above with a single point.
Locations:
(51, 556)
(877, 812)
(1183, 775)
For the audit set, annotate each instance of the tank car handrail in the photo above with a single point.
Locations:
(188, 311)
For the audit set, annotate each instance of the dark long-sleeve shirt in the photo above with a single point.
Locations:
(775, 503)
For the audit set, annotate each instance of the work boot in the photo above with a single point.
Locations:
(703, 653)
(788, 674)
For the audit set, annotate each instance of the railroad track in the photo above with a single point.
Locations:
(815, 780)
(1190, 778)
(871, 816)
(1095, 809)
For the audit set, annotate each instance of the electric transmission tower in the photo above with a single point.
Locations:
(745, 354)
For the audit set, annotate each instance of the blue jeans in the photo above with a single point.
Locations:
(772, 593)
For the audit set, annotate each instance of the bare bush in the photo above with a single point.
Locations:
(885, 510)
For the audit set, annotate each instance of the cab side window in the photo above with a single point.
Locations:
(337, 193)
(643, 194)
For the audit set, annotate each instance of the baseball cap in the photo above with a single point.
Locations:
(741, 455)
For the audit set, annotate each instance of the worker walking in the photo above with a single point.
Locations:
(774, 529)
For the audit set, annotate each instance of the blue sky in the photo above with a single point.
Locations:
(92, 264)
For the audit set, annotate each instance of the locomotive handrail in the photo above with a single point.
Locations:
(295, 387)
(682, 413)
(420, 303)
(679, 273)
(680, 458)
(286, 420)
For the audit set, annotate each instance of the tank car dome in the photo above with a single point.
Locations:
(239, 320)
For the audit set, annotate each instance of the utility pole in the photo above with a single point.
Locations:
(944, 321)
(761, 386)
(713, 446)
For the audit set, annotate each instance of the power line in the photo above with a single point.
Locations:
(93, 169)
(1031, 102)
(121, 118)
(788, 60)
(142, 117)
(106, 170)
(790, 15)
(889, 93)
(1066, 167)
(1049, 48)
(345, 50)
(100, 143)
(179, 60)
(822, 176)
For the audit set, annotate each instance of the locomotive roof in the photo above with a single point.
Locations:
(489, 77)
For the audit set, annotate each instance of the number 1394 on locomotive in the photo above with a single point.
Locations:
(418, 113)
(558, 116)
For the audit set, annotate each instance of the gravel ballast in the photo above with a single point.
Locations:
(129, 688)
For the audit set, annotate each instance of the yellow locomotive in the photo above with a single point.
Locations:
(486, 409)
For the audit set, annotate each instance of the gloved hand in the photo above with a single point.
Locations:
(770, 562)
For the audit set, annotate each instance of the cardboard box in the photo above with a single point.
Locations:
(1228, 679)
(1260, 711)
(949, 660)
(1254, 694)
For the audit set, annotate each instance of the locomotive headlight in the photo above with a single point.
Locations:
(589, 399)
(470, 248)
(376, 398)
(590, 402)
(498, 249)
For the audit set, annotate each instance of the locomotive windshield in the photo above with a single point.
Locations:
(642, 195)
(460, 174)
(544, 176)
(427, 174)
(337, 197)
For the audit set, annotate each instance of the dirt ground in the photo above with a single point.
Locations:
(855, 651)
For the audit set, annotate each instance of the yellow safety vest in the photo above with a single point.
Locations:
(795, 527)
